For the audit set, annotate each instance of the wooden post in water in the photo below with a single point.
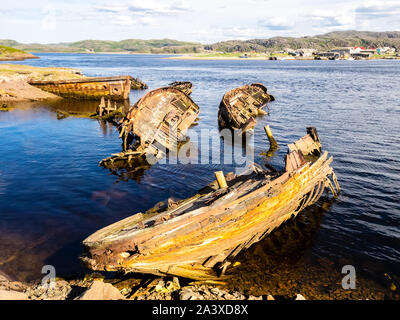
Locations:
(221, 179)
(108, 106)
(273, 145)
(102, 105)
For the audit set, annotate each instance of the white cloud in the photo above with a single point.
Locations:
(278, 23)
(327, 20)
(378, 9)
(49, 21)
(192, 20)
(155, 8)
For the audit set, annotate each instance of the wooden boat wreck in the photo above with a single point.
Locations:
(113, 88)
(137, 84)
(185, 86)
(198, 237)
(240, 106)
(155, 124)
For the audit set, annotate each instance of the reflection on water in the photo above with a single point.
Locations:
(53, 193)
(282, 264)
(84, 106)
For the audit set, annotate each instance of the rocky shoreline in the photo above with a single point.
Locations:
(96, 287)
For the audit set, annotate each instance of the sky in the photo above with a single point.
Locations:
(205, 21)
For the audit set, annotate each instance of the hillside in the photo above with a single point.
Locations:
(8, 54)
(320, 42)
(130, 45)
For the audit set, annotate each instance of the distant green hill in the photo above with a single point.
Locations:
(130, 45)
(320, 42)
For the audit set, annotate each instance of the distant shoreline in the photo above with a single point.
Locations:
(191, 57)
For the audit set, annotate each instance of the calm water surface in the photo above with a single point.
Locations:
(53, 194)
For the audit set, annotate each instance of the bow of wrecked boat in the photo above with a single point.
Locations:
(240, 106)
(198, 237)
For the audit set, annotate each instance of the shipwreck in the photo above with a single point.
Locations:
(240, 106)
(185, 86)
(113, 88)
(154, 125)
(198, 237)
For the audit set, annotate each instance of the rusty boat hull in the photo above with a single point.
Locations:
(198, 237)
(240, 106)
(113, 88)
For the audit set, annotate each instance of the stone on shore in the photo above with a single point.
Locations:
(300, 297)
(12, 295)
(60, 291)
(101, 291)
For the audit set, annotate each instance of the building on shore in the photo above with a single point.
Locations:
(386, 50)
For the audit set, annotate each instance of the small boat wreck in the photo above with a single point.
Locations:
(197, 238)
(185, 86)
(155, 124)
(240, 106)
(137, 84)
(113, 88)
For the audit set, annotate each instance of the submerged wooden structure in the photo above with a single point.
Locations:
(240, 106)
(198, 237)
(154, 125)
(113, 88)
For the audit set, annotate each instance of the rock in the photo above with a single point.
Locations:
(215, 291)
(228, 296)
(160, 287)
(270, 297)
(173, 285)
(3, 278)
(12, 295)
(101, 291)
(255, 298)
(59, 292)
(300, 297)
(189, 294)
(16, 286)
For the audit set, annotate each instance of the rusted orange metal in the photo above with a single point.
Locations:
(240, 106)
(194, 237)
(113, 88)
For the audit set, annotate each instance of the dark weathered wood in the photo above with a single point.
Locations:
(240, 106)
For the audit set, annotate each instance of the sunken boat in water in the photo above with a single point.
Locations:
(198, 237)
(155, 124)
(240, 106)
(112, 88)
(185, 86)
